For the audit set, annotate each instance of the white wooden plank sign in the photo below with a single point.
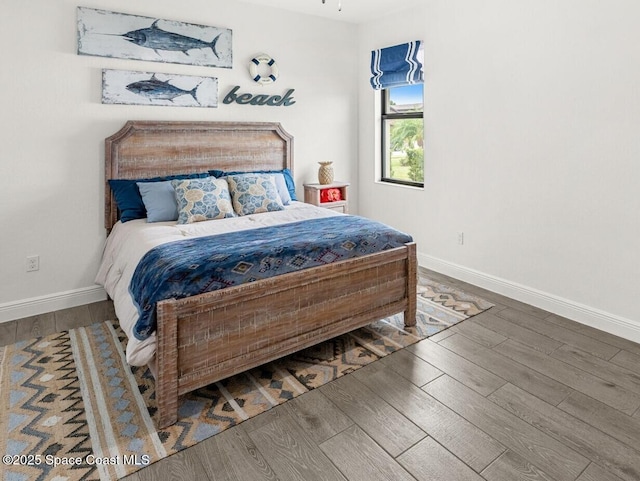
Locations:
(149, 88)
(119, 35)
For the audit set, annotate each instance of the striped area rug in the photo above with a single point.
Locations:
(71, 408)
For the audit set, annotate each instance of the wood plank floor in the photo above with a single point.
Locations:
(515, 393)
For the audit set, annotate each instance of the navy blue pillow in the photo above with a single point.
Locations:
(128, 196)
(288, 178)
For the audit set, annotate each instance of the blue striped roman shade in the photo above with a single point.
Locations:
(396, 66)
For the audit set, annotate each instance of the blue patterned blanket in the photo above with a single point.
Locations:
(193, 266)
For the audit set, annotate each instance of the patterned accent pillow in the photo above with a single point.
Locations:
(202, 199)
(254, 193)
(284, 181)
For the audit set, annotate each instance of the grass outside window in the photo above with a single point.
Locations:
(403, 135)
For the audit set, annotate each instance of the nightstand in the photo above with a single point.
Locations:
(313, 194)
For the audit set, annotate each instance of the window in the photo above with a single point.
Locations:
(403, 135)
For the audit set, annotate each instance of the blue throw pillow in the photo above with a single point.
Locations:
(281, 185)
(286, 173)
(159, 200)
(128, 196)
(254, 193)
(202, 199)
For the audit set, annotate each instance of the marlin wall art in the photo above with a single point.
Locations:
(119, 35)
(148, 88)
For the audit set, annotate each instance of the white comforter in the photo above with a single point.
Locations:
(128, 243)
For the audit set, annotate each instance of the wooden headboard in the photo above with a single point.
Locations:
(143, 149)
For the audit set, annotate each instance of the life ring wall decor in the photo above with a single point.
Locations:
(256, 61)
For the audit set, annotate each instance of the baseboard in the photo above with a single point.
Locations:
(53, 302)
(575, 311)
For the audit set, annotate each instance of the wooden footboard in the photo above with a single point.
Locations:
(209, 337)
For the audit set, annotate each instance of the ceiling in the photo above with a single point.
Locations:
(353, 11)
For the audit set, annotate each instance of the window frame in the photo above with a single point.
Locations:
(385, 116)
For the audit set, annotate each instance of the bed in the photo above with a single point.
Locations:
(207, 337)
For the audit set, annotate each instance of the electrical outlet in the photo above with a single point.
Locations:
(33, 263)
(461, 238)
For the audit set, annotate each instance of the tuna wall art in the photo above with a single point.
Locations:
(119, 35)
(148, 88)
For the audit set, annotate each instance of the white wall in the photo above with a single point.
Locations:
(53, 126)
(532, 113)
